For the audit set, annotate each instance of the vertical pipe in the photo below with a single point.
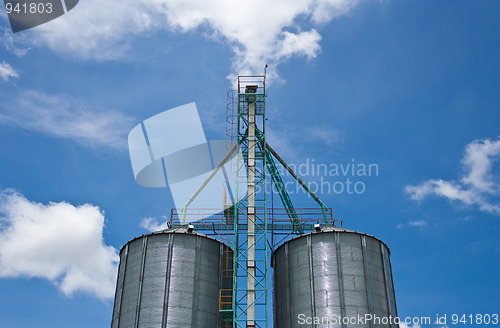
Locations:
(340, 275)
(386, 283)
(168, 271)
(311, 276)
(122, 287)
(141, 280)
(367, 279)
(288, 287)
(393, 296)
(251, 217)
(197, 263)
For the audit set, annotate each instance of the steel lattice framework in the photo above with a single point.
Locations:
(250, 279)
(246, 223)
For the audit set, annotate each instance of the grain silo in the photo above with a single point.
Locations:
(330, 274)
(181, 278)
(171, 278)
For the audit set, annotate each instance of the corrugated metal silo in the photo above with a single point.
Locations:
(330, 273)
(171, 278)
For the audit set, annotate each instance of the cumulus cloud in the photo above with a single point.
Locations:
(258, 32)
(302, 44)
(59, 242)
(153, 224)
(477, 187)
(66, 117)
(6, 71)
(95, 29)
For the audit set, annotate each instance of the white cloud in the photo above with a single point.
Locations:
(405, 325)
(153, 224)
(66, 117)
(440, 325)
(323, 134)
(59, 242)
(6, 71)
(478, 185)
(258, 32)
(302, 44)
(479, 158)
(417, 223)
(281, 139)
(14, 43)
(96, 29)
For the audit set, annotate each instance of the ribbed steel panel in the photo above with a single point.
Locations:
(170, 279)
(335, 272)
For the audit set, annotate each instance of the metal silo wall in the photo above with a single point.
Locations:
(332, 273)
(169, 280)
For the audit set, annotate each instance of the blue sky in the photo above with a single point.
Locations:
(411, 86)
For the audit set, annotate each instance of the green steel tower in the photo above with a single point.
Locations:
(250, 279)
(246, 223)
